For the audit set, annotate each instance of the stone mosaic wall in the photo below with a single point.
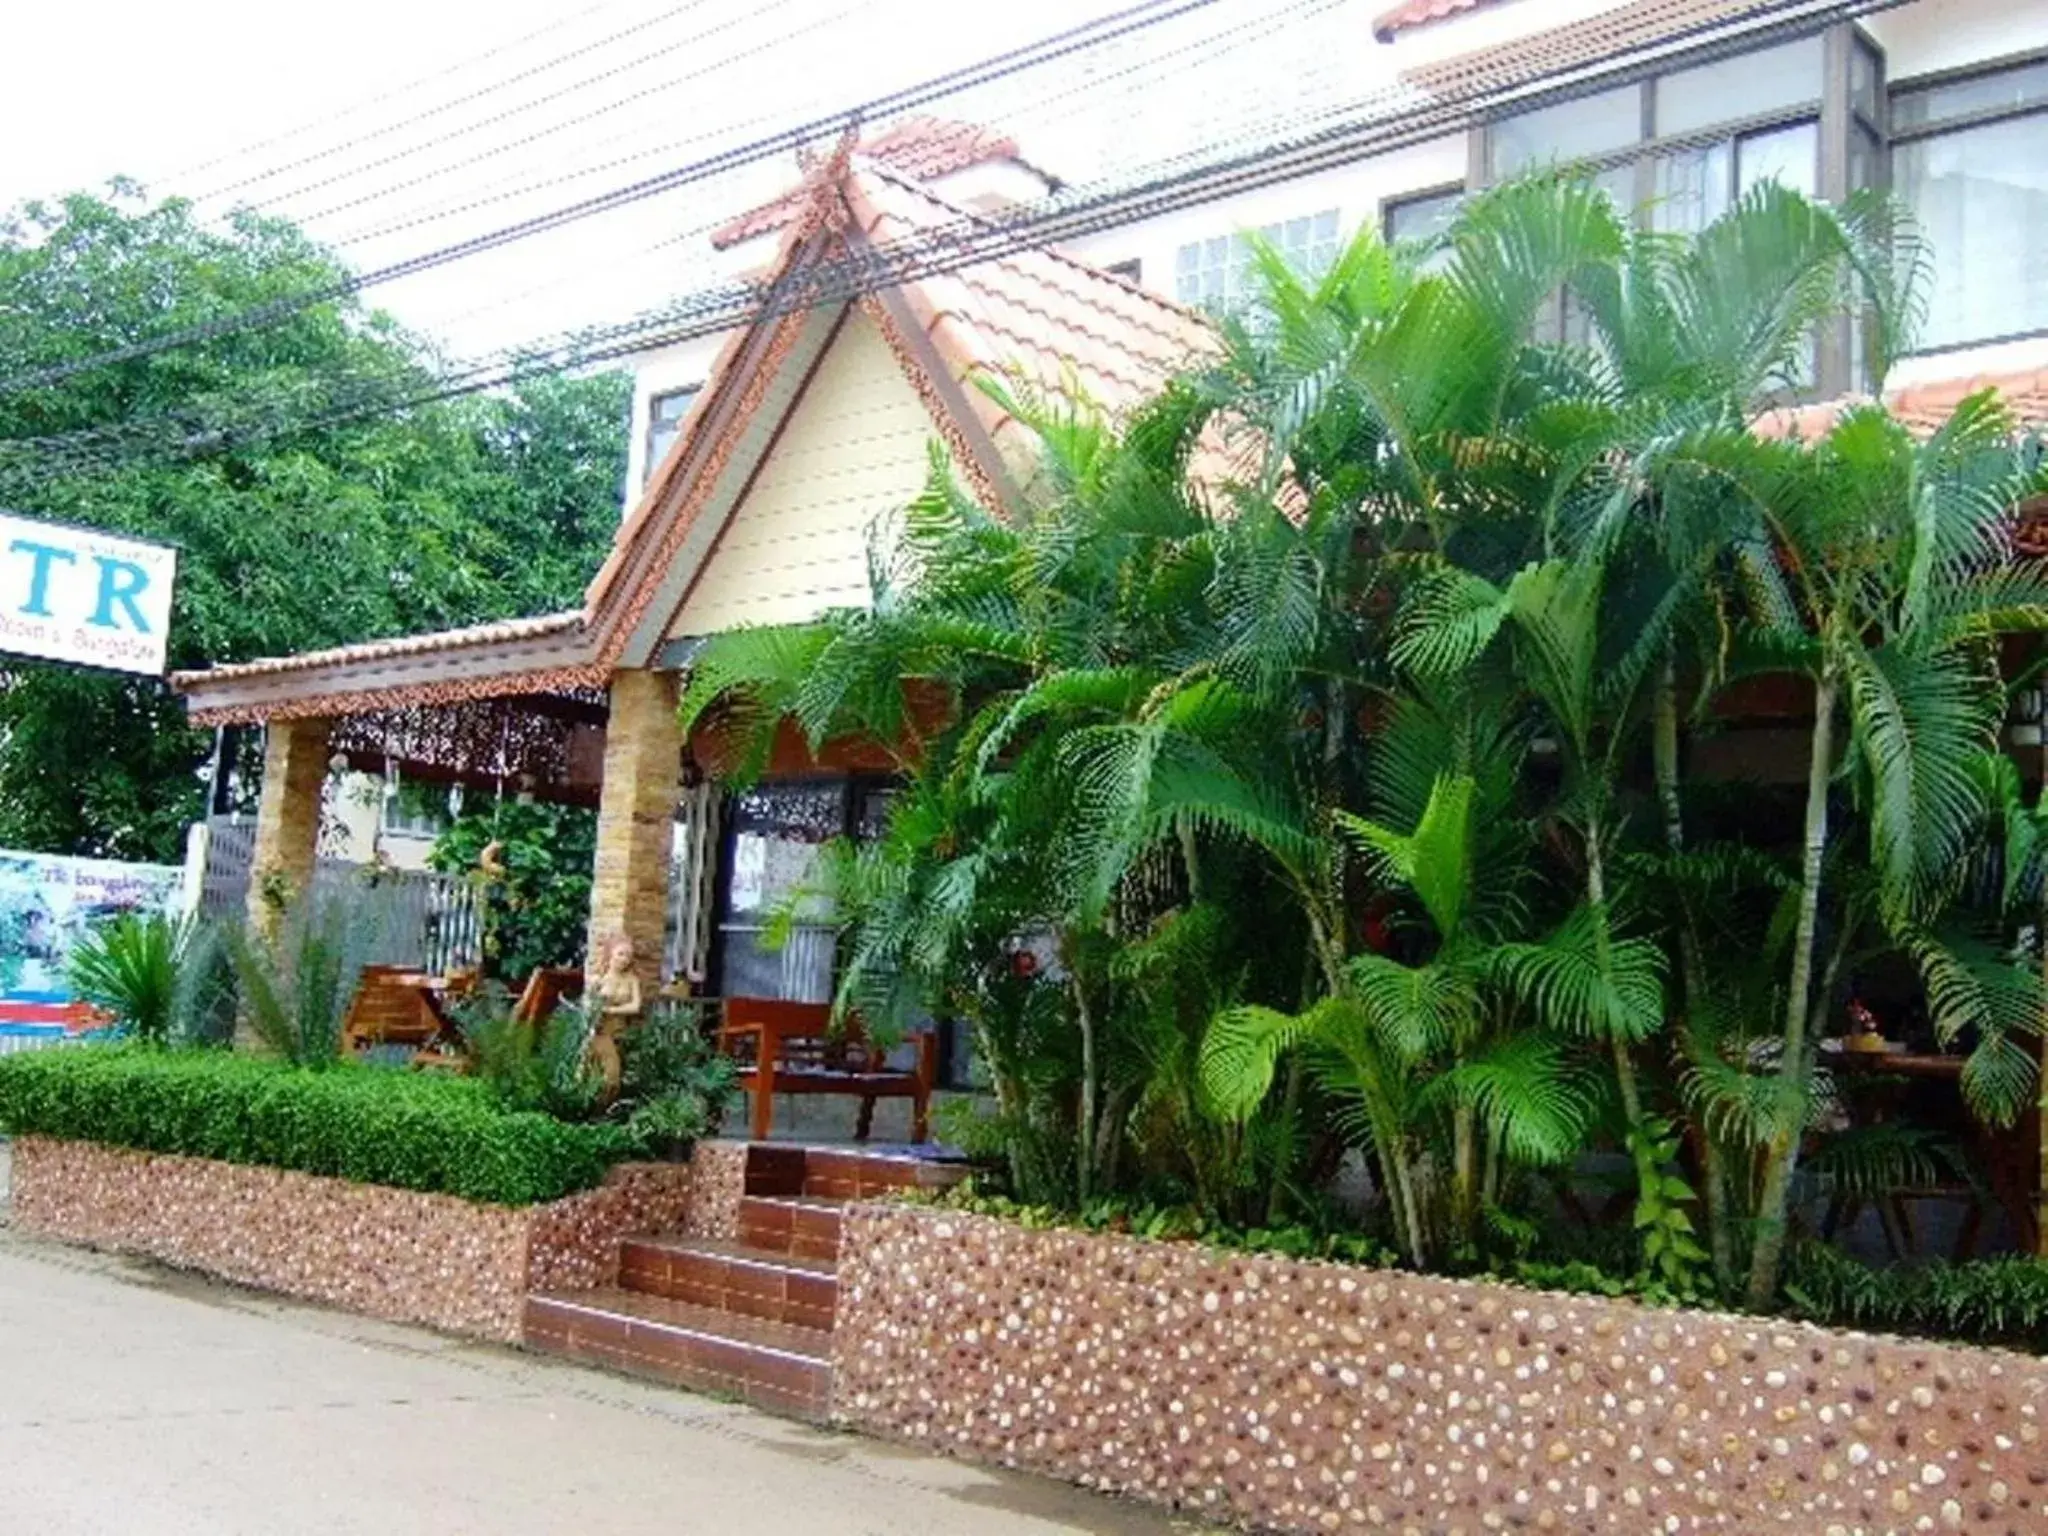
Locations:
(1312, 1397)
(719, 1170)
(389, 1253)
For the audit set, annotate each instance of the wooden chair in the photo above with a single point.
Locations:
(393, 1005)
(546, 990)
(792, 1048)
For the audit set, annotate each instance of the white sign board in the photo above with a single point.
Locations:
(89, 598)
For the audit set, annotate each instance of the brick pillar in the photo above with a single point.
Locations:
(287, 817)
(643, 748)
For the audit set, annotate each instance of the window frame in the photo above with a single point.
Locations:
(1389, 205)
(1830, 110)
(654, 423)
(1985, 117)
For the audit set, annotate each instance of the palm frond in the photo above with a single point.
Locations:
(1584, 981)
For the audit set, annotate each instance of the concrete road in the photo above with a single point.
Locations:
(135, 1401)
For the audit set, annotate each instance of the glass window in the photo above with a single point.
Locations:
(1693, 187)
(1420, 218)
(2026, 86)
(1217, 273)
(1866, 159)
(1981, 198)
(1866, 82)
(665, 415)
(1789, 156)
(773, 879)
(1696, 186)
(1572, 130)
(1749, 85)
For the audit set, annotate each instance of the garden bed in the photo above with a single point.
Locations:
(453, 1264)
(1308, 1396)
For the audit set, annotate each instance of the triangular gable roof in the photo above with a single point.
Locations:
(922, 148)
(1055, 323)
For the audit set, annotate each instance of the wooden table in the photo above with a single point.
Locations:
(2009, 1160)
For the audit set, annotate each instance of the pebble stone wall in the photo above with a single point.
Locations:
(719, 1182)
(389, 1253)
(1312, 1397)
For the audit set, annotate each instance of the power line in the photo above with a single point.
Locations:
(492, 152)
(195, 422)
(1146, 14)
(1039, 107)
(357, 108)
(968, 240)
(479, 94)
(614, 105)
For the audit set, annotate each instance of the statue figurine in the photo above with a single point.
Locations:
(619, 1004)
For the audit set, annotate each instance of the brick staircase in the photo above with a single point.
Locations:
(749, 1318)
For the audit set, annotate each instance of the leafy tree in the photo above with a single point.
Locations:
(531, 863)
(384, 523)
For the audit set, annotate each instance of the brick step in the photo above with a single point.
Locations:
(781, 1287)
(792, 1224)
(773, 1365)
(855, 1173)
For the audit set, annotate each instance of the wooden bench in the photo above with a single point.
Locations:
(792, 1048)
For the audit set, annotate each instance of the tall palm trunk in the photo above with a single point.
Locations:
(1465, 1171)
(1691, 966)
(1781, 1153)
(1389, 1138)
(1596, 894)
(1090, 1088)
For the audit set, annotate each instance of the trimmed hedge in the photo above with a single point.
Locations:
(373, 1126)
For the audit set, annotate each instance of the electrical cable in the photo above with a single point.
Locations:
(752, 51)
(1011, 122)
(1145, 14)
(477, 95)
(968, 240)
(614, 105)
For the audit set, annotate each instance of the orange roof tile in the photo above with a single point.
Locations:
(380, 650)
(922, 148)
(1922, 407)
(1420, 13)
(1037, 317)
(1579, 44)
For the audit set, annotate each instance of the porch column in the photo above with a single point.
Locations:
(287, 818)
(643, 749)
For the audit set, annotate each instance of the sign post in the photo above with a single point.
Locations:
(84, 597)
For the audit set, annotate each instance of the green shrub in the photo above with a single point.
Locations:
(159, 978)
(435, 1134)
(675, 1085)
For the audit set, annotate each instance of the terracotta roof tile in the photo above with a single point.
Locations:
(1420, 13)
(922, 148)
(1576, 45)
(1034, 313)
(499, 633)
(1922, 407)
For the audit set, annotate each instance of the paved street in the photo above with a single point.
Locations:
(139, 1402)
